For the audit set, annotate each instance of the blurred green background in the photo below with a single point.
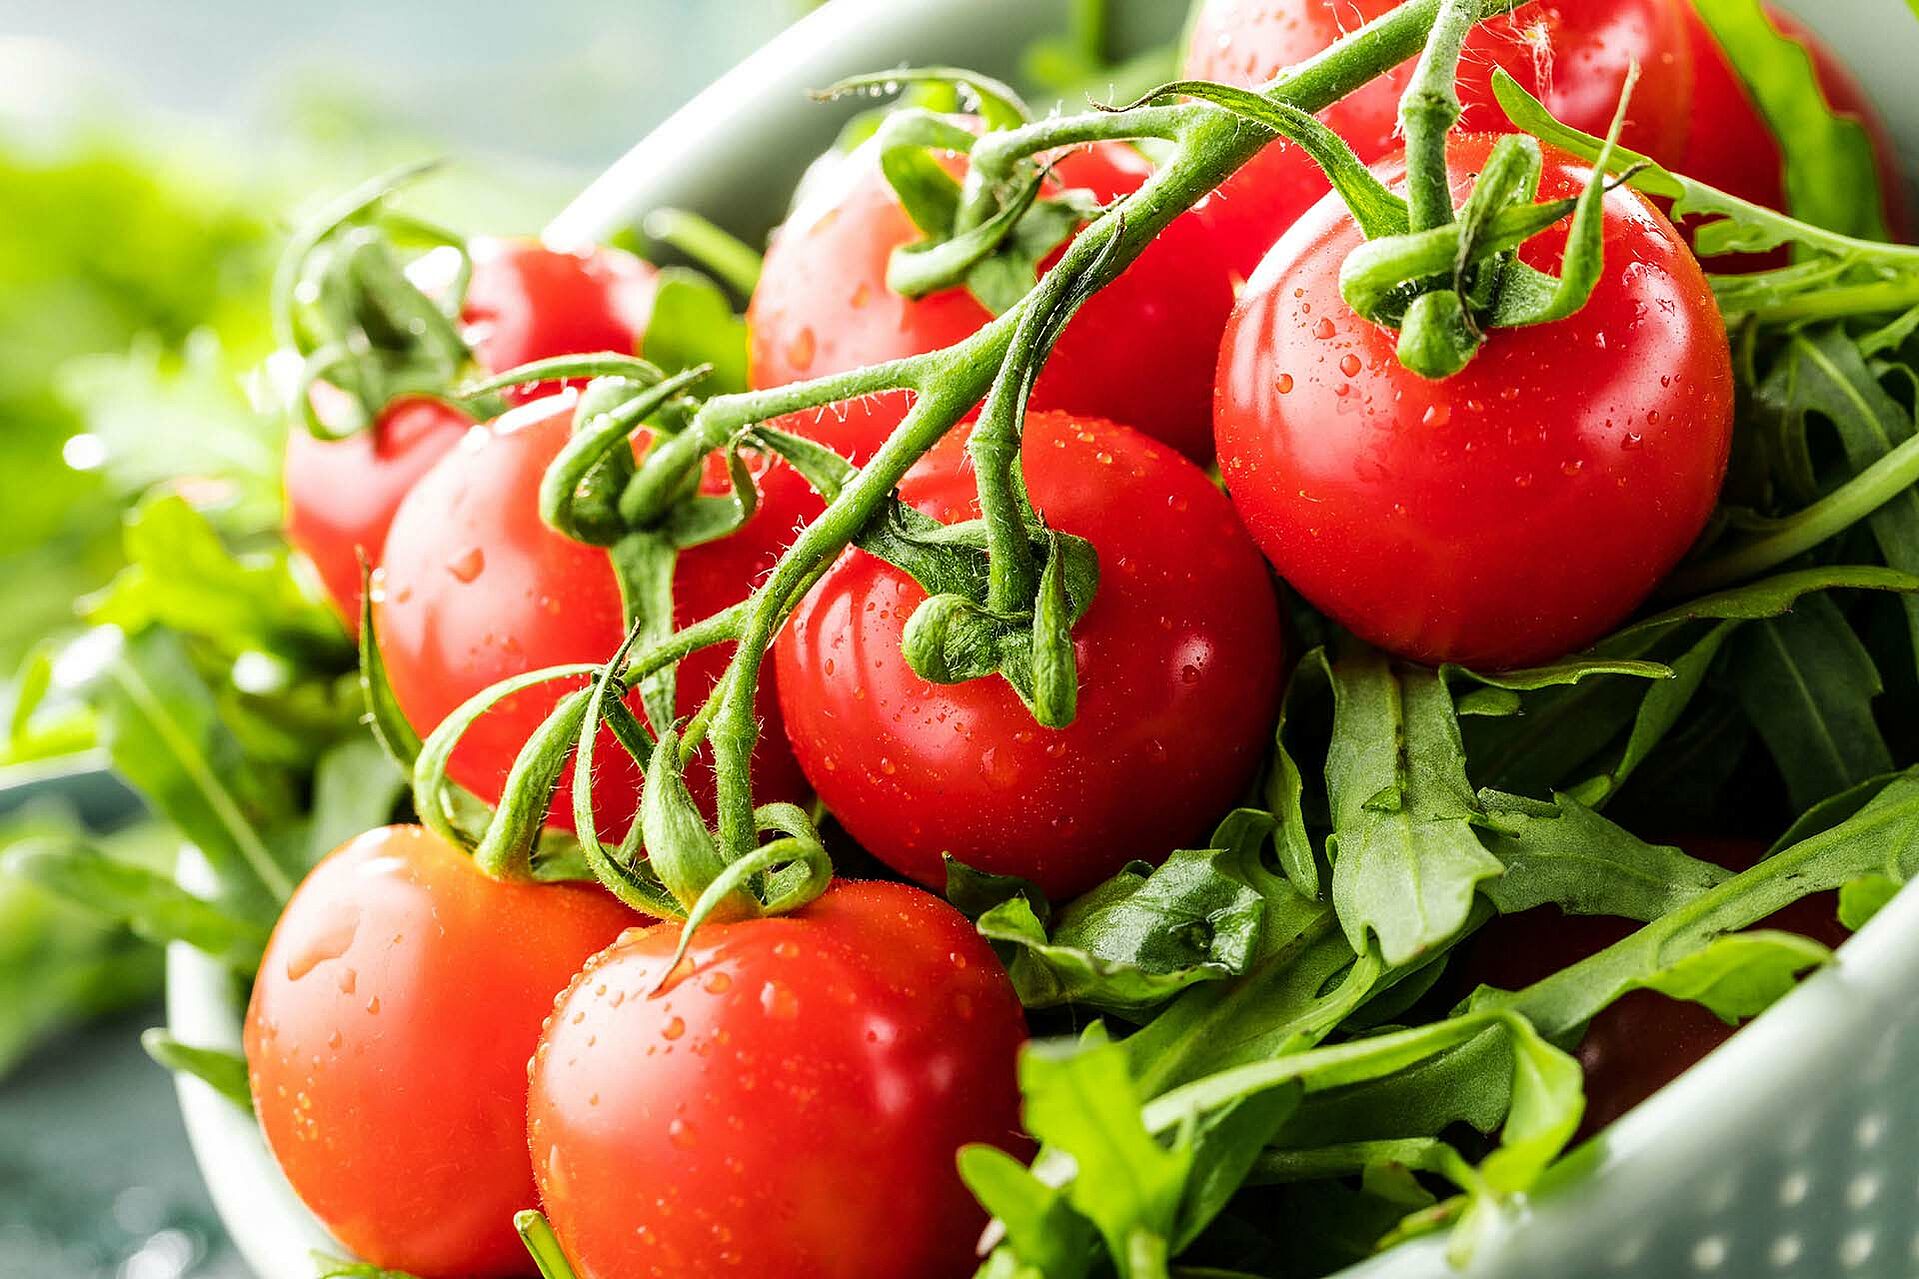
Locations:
(151, 158)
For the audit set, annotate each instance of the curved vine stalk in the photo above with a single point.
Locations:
(1209, 144)
(997, 364)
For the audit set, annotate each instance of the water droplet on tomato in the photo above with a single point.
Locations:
(329, 941)
(1436, 415)
(467, 565)
(1349, 364)
(1324, 329)
(680, 1133)
(348, 980)
(778, 1002)
(800, 351)
(674, 1028)
(1285, 384)
(718, 984)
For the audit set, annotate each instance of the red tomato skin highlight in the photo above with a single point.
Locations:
(387, 1040)
(1730, 145)
(1138, 350)
(1573, 54)
(1509, 514)
(790, 1105)
(1179, 667)
(524, 302)
(475, 588)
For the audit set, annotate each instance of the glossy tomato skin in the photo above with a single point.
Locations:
(341, 494)
(790, 1105)
(1644, 1040)
(1513, 512)
(524, 302)
(1138, 350)
(528, 302)
(1179, 668)
(1730, 145)
(1572, 54)
(387, 1039)
(475, 588)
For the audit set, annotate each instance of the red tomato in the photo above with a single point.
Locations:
(387, 1041)
(1643, 1041)
(1138, 350)
(524, 302)
(1179, 667)
(1573, 54)
(1506, 515)
(341, 494)
(791, 1105)
(474, 588)
(1731, 146)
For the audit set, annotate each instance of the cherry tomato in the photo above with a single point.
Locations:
(387, 1040)
(1731, 146)
(341, 494)
(790, 1105)
(474, 588)
(1572, 54)
(1644, 1040)
(1509, 514)
(524, 302)
(1139, 349)
(1179, 667)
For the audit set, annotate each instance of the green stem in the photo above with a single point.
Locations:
(1213, 143)
(542, 1245)
(1790, 538)
(1429, 110)
(1837, 302)
(720, 253)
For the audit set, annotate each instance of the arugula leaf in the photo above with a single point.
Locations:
(1563, 853)
(1406, 860)
(1739, 975)
(224, 1072)
(164, 733)
(1286, 784)
(149, 902)
(1832, 177)
(974, 892)
(1882, 837)
(1139, 938)
(1864, 897)
(1808, 686)
(180, 574)
(1820, 375)
(1045, 1238)
(1081, 1099)
(693, 322)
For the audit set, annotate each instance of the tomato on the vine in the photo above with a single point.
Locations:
(1644, 1040)
(1730, 145)
(1138, 350)
(1179, 668)
(387, 1039)
(790, 1103)
(1574, 56)
(475, 588)
(523, 302)
(1513, 512)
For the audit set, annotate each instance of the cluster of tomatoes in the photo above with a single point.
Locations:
(789, 1098)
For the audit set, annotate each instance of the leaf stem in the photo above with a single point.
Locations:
(1427, 113)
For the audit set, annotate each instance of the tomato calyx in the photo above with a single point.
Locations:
(990, 237)
(343, 303)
